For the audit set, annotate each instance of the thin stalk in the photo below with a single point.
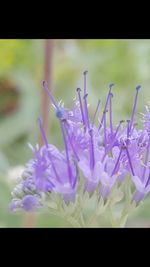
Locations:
(95, 113)
(105, 135)
(117, 162)
(92, 156)
(70, 141)
(67, 152)
(85, 102)
(110, 113)
(134, 106)
(130, 163)
(48, 54)
(81, 107)
(106, 103)
(113, 140)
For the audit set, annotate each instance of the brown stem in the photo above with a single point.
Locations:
(47, 77)
(30, 219)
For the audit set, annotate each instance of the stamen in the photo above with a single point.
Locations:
(134, 106)
(59, 114)
(129, 159)
(42, 132)
(146, 159)
(118, 127)
(59, 110)
(112, 143)
(50, 95)
(85, 96)
(92, 160)
(86, 111)
(81, 107)
(85, 100)
(134, 125)
(67, 153)
(110, 113)
(117, 162)
(92, 157)
(46, 144)
(98, 104)
(106, 103)
(128, 128)
(105, 136)
(85, 73)
(72, 146)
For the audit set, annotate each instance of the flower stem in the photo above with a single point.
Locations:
(48, 47)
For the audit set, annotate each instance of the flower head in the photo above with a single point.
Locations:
(103, 154)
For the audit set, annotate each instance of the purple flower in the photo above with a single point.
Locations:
(30, 202)
(141, 189)
(92, 176)
(141, 178)
(15, 205)
(107, 183)
(105, 171)
(52, 173)
(110, 174)
(77, 139)
(105, 153)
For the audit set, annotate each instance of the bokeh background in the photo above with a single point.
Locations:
(126, 63)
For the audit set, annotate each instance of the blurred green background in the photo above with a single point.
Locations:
(123, 62)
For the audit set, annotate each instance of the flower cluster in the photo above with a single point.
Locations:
(105, 155)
